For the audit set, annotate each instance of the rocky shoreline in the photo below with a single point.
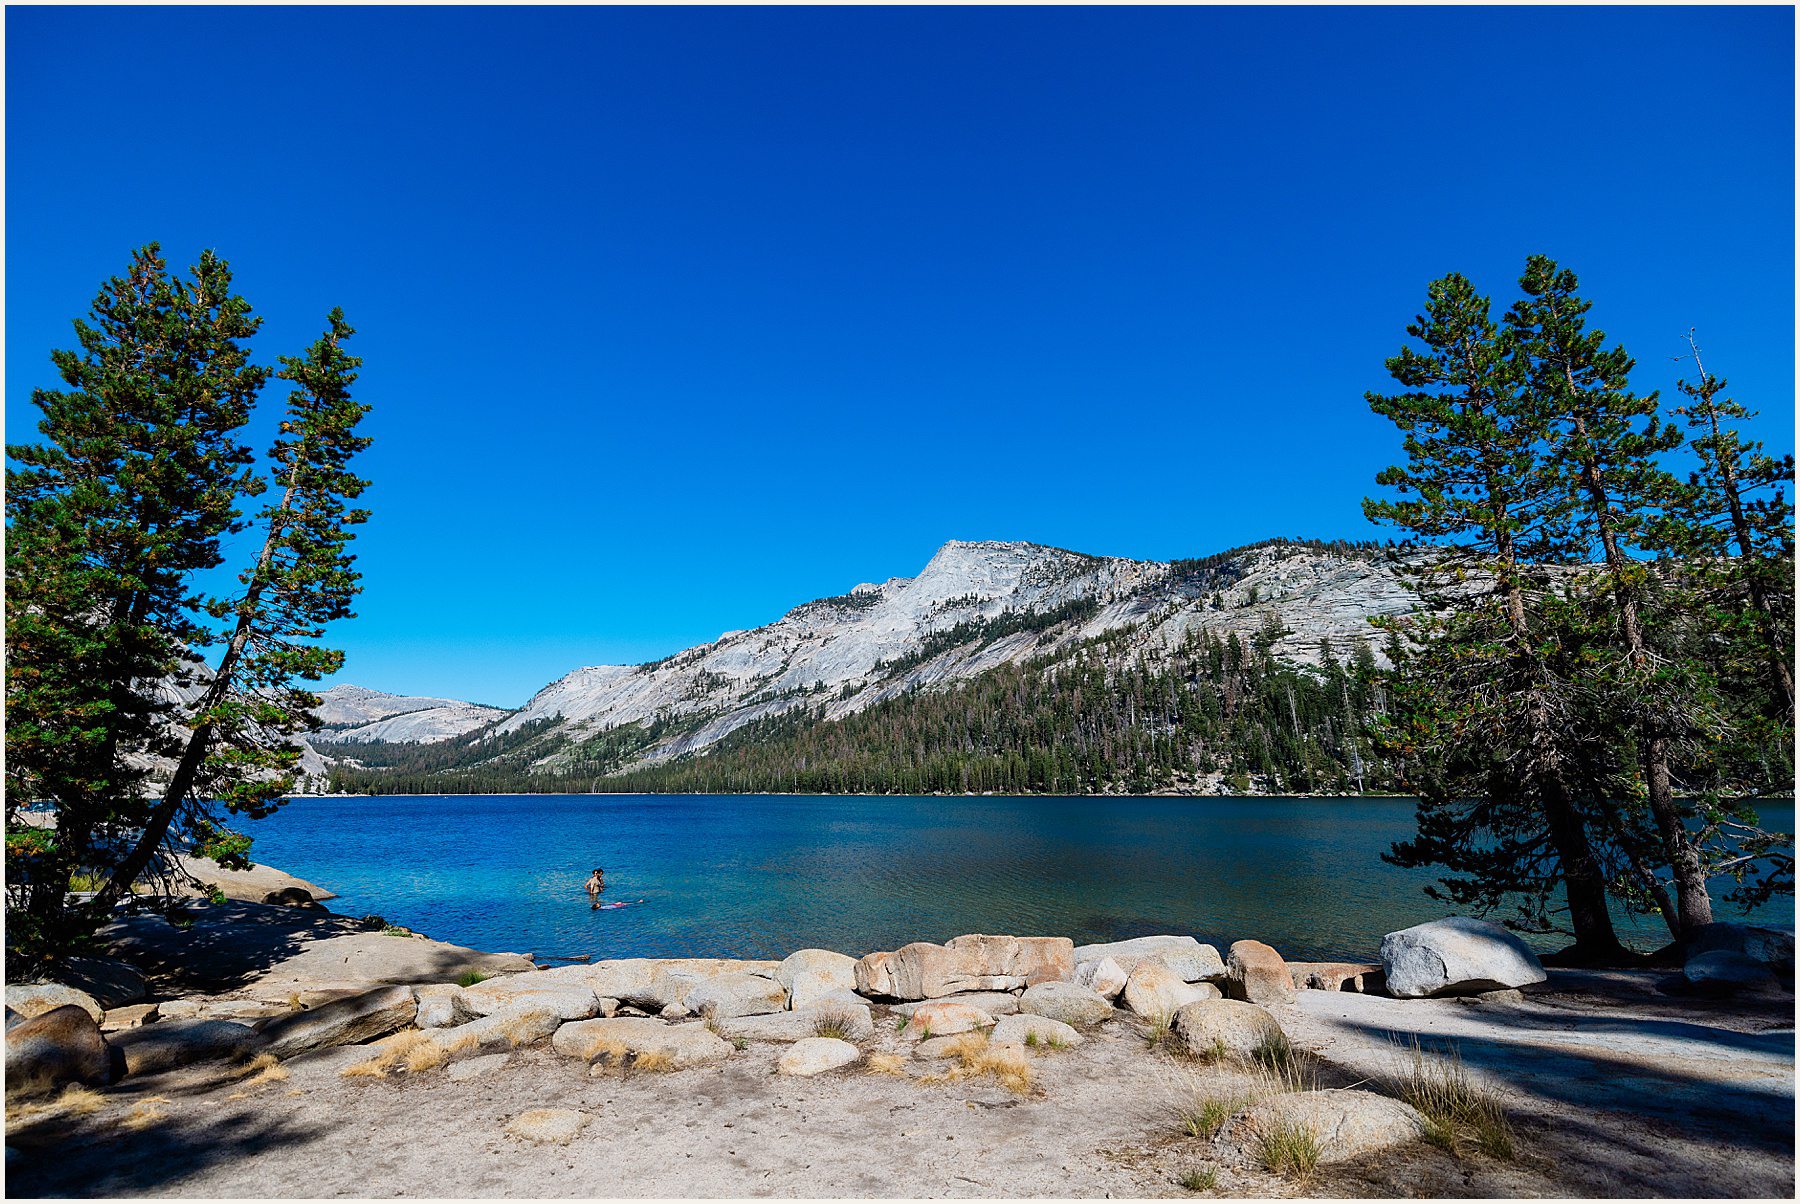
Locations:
(232, 997)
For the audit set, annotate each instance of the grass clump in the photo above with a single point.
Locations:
(469, 978)
(75, 1100)
(1288, 1148)
(1158, 1030)
(885, 1063)
(1274, 1053)
(1199, 1178)
(146, 1112)
(1458, 1111)
(976, 1057)
(833, 1022)
(409, 1050)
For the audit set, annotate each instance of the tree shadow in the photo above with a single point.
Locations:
(105, 1158)
(219, 946)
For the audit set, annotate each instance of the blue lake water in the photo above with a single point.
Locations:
(761, 875)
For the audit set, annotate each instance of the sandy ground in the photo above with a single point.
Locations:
(1615, 1090)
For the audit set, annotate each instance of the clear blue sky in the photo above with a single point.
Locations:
(676, 318)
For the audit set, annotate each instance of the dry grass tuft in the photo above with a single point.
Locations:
(1458, 1111)
(75, 1100)
(409, 1049)
(1199, 1178)
(145, 1112)
(976, 1057)
(834, 1022)
(885, 1063)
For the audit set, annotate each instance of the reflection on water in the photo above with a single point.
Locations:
(761, 876)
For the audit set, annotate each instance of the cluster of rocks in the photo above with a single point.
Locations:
(1022, 993)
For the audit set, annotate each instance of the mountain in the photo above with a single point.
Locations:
(355, 715)
(975, 608)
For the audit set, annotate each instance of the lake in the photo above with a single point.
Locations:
(764, 875)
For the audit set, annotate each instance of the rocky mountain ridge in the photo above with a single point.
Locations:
(974, 606)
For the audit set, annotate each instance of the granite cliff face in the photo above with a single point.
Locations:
(355, 715)
(975, 606)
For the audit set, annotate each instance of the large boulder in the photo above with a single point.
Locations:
(1035, 1031)
(1774, 947)
(172, 1044)
(350, 1021)
(736, 995)
(1257, 974)
(1154, 990)
(854, 1021)
(651, 984)
(1224, 1027)
(55, 1048)
(680, 1045)
(1104, 977)
(966, 963)
(942, 1018)
(442, 1005)
(571, 1002)
(1182, 954)
(815, 973)
(816, 1055)
(1345, 1122)
(1722, 972)
(1067, 1003)
(523, 1024)
(1456, 956)
(35, 998)
(994, 1003)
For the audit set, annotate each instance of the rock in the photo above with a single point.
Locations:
(1104, 977)
(1256, 973)
(942, 1018)
(1774, 947)
(968, 963)
(1182, 954)
(442, 1006)
(994, 1003)
(35, 998)
(570, 1002)
(682, 1044)
(1359, 977)
(254, 885)
(132, 1015)
(49, 1050)
(816, 1055)
(172, 1044)
(874, 975)
(814, 973)
(111, 982)
(797, 1026)
(1035, 1031)
(674, 1011)
(1067, 1003)
(548, 1126)
(1154, 990)
(1507, 998)
(1459, 955)
(474, 1068)
(1346, 1123)
(835, 999)
(1723, 971)
(651, 984)
(358, 1018)
(1215, 1027)
(245, 1011)
(736, 995)
(523, 1024)
(290, 896)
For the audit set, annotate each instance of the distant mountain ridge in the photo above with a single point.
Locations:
(976, 606)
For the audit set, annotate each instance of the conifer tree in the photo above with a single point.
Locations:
(1480, 704)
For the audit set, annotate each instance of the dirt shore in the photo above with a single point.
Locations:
(1613, 1088)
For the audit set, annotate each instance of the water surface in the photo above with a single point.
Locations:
(763, 875)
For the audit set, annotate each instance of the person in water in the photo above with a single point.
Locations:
(595, 884)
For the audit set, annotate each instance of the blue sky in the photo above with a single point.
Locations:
(675, 318)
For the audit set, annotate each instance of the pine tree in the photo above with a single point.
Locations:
(1479, 703)
(109, 518)
(1605, 445)
(239, 754)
